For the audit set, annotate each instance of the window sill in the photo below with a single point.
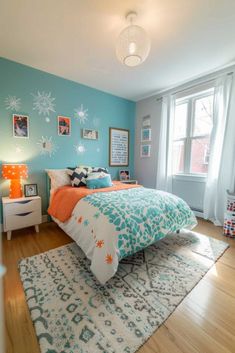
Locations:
(199, 178)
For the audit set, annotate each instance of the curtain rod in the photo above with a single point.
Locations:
(194, 85)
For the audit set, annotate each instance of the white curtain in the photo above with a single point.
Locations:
(164, 167)
(222, 152)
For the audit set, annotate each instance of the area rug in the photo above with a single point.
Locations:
(73, 313)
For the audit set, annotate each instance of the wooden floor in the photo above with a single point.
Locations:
(204, 322)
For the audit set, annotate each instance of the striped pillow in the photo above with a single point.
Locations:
(99, 170)
(78, 175)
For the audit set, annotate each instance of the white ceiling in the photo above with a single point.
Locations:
(76, 39)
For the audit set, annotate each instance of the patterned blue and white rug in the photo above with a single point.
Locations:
(73, 313)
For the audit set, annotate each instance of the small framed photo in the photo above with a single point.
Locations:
(145, 150)
(30, 190)
(146, 121)
(20, 125)
(64, 126)
(145, 135)
(124, 175)
(90, 134)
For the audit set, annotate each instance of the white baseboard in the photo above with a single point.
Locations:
(198, 214)
(44, 218)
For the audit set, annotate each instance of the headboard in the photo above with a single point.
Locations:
(48, 194)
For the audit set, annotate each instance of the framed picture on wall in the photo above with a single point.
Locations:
(64, 126)
(20, 125)
(146, 121)
(90, 134)
(145, 151)
(145, 135)
(118, 147)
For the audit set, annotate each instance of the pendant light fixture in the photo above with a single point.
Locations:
(133, 44)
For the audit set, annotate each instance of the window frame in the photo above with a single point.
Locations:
(190, 121)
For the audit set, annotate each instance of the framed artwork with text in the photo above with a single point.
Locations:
(118, 147)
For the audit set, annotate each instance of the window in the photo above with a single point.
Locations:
(193, 122)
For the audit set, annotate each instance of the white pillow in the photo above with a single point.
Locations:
(59, 177)
(96, 175)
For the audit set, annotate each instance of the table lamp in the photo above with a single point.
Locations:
(14, 173)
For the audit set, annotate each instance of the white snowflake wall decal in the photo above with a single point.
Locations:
(47, 146)
(13, 103)
(81, 114)
(79, 148)
(44, 103)
(18, 149)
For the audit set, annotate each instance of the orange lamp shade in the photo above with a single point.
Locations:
(14, 173)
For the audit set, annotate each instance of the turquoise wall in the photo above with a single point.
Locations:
(104, 111)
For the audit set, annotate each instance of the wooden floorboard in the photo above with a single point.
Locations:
(203, 323)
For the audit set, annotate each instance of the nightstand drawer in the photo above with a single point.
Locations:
(22, 220)
(22, 207)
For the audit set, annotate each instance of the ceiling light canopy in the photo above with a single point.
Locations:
(133, 44)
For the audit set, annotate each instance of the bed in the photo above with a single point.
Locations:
(113, 223)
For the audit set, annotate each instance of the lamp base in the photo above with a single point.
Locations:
(15, 189)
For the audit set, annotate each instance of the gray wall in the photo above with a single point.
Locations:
(146, 168)
(191, 190)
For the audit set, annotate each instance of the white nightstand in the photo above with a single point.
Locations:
(21, 213)
(129, 181)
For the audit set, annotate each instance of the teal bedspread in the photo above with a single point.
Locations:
(141, 216)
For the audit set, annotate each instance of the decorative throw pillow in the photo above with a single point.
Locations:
(58, 177)
(98, 183)
(100, 169)
(95, 175)
(78, 175)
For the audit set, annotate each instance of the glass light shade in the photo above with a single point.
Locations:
(133, 46)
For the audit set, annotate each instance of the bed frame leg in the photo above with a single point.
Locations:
(178, 231)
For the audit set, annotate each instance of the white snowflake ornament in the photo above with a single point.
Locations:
(47, 146)
(80, 148)
(13, 103)
(43, 103)
(81, 114)
(18, 149)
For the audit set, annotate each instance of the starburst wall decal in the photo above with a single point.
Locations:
(18, 149)
(81, 114)
(47, 146)
(80, 148)
(13, 103)
(43, 103)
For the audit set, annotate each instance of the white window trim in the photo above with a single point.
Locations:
(200, 178)
(190, 100)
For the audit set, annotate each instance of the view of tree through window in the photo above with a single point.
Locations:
(193, 124)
